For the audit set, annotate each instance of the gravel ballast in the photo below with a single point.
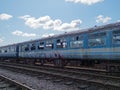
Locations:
(38, 83)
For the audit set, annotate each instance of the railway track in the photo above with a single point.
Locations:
(97, 79)
(9, 84)
(67, 68)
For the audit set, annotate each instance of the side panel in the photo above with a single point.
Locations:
(8, 52)
(95, 53)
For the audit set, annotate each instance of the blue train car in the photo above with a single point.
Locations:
(9, 51)
(97, 44)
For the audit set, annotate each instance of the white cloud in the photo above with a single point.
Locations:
(1, 40)
(46, 22)
(47, 35)
(102, 19)
(20, 33)
(5, 16)
(74, 25)
(87, 2)
(33, 22)
(118, 20)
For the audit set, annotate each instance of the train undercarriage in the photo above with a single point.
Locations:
(112, 66)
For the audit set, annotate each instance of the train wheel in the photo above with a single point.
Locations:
(58, 63)
(42, 62)
(118, 67)
(112, 68)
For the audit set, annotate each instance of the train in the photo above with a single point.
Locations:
(96, 46)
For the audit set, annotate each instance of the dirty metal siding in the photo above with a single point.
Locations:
(94, 53)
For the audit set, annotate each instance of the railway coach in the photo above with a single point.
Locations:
(97, 46)
(9, 52)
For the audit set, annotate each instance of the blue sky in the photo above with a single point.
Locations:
(22, 20)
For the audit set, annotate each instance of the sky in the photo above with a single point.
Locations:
(24, 20)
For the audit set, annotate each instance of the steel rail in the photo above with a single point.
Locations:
(18, 84)
(73, 77)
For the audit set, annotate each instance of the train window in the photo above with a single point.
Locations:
(12, 49)
(2, 51)
(33, 47)
(22, 47)
(116, 37)
(5, 51)
(41, 45)
(61, 43)
(9, 49)
(97, 39)
(27, 47)
(49, 44)
(76, 42)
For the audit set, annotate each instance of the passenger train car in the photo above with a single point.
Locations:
(9, 51)
(99, 46)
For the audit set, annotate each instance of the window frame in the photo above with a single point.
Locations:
(24, 46)
(62, 44)
(42, 44)
(96, 36)
(116, 34)
(77, 39)
(49, 44)
(33, 46)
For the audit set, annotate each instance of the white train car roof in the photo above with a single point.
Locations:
(93, 29)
